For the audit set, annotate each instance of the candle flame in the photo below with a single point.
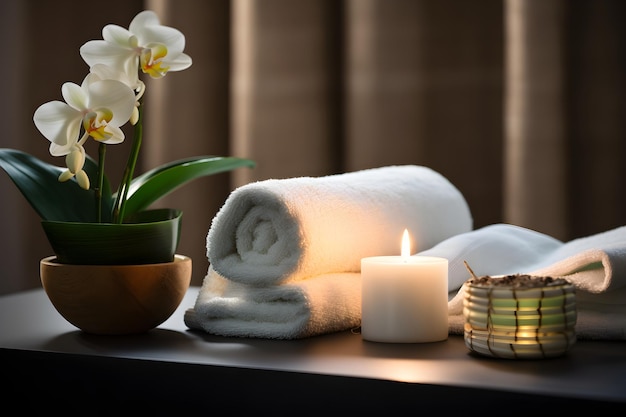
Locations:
(406, 244)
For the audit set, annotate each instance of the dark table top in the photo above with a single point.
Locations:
(31, 331)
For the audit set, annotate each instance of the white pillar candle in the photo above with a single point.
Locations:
(404, 298)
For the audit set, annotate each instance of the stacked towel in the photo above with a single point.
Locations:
(321, 304)
(595, 264)
(285, 254)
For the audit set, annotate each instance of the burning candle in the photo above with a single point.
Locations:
(404, 298)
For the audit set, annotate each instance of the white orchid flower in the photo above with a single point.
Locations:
(146, 44)
(100, 72)
(104, 72)
(99, 106)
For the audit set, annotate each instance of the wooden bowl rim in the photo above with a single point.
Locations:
(50, 262)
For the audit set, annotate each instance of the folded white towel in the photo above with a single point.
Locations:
(285, 230)
(285, 255)
(595, 264)
(322, 304)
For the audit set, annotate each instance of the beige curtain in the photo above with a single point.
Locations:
(518, 102)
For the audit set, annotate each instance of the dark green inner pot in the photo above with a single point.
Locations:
(148, 237)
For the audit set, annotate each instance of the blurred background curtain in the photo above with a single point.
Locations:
(519, 103)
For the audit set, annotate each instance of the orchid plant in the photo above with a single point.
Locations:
(110, 96)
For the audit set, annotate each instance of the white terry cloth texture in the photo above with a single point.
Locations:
(595, 264)
(322, 304)
(283, 230)
(285, 254)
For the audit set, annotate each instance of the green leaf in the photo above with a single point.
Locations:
(156, 183)
(66, 201)
(52, 200)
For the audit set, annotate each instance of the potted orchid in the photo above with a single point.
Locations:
(78, 208)
(115, 268)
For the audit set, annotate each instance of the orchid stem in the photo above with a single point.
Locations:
(102, 150)
(122, 193)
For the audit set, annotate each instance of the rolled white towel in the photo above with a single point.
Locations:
(284, 230)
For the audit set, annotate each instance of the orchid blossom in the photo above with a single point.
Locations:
(146, 45)
(104, 72)
(97, 106)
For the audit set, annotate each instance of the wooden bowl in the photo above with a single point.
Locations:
(116, 299)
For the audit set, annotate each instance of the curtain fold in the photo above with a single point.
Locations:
(284, 85)
(535, 143)
(596, 132)
(424, 86)
(518, 102)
